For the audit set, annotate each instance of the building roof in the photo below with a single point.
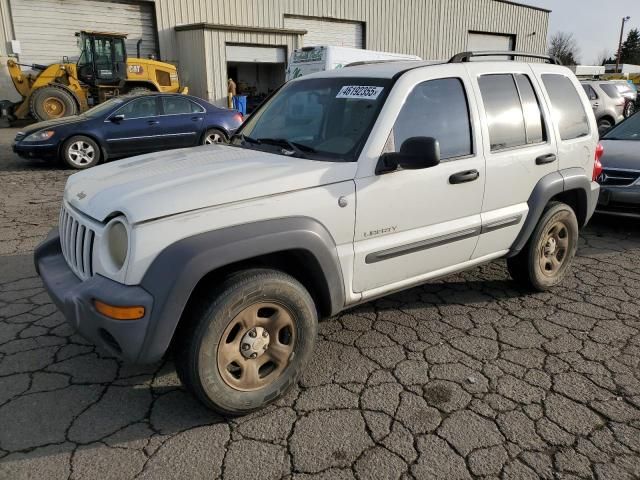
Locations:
(518, 4)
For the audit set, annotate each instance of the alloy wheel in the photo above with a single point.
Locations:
(81, 153)
(213, 138)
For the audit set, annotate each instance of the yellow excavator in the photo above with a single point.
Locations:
(103, 71)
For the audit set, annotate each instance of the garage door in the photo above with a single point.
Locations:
(328, 32)
(249, 53)
(487, 41)
(46, 28)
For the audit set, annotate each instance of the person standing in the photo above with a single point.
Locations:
(231, 92)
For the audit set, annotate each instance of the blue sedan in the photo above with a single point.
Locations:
(126, 126)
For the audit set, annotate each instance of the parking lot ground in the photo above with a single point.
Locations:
(463, 377)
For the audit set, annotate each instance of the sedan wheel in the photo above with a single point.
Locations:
(81, 152)
(213, 136)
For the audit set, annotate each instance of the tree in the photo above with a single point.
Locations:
(563, 46)
(604, 57)
(630, 52)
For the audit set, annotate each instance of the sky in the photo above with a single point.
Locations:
(595, 24)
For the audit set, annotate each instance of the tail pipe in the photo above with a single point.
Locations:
(138, 47)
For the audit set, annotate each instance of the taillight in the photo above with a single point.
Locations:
(597, 165)
(238, 117)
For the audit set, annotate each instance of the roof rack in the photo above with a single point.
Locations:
(466, 56)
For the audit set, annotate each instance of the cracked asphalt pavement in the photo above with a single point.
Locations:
(460, 378)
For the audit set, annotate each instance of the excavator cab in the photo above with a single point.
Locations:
(103, 61)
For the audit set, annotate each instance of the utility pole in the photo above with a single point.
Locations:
(624, 20)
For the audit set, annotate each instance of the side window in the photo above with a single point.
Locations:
(611, 90)
(176, 105)
(139, 108)
(568, 111)
(195, 108)
(533, 121)
(438, 109)
(504, 111)
(591, 93)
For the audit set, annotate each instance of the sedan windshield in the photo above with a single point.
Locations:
(627, 130)
(320, 118)
(102, 108)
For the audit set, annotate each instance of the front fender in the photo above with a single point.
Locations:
(174, 274)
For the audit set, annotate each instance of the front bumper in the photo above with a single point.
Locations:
(620, 201)
(47, 151)
(74, 298)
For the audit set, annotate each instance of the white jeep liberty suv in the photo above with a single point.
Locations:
(342, 187)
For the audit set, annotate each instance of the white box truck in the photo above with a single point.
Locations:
(307, 60)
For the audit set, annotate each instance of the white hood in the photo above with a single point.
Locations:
(161, 184)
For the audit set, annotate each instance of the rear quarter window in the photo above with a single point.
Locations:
(568, 111)
(610, 89)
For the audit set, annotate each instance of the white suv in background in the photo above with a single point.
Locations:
(342, 187)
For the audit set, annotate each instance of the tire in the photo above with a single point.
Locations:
(80, 152)
(139, 91)
(604, 125)
(51, 102)
(213, 357)
(213, 136)
(545, 259)
(629, 109)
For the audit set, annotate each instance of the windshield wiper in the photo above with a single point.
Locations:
(296, 147)
(245, 138)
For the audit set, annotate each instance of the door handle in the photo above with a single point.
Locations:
(543, 159)
(153, 122)
(463, 177)
(596, 104)
(196, 119)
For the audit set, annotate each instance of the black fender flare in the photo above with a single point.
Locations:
(176, 271)
(548, 187)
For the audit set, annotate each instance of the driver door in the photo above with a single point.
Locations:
(141, 130)
(410, 223)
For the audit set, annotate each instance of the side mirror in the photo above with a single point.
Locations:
(117, 118)
(415, 153)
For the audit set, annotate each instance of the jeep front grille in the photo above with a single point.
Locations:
(76, 240)
(618, 178)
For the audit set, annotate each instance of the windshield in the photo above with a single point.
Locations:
(320, 119)
(102, 108)
(627, 130)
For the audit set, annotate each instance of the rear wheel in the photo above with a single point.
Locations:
(51, 102)
(544, 261)
(80, 152)
(629, 109)
(247, 342)
(212, 136)
(139, 91)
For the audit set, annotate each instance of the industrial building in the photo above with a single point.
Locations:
(251, 40)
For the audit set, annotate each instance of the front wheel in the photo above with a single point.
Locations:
(544, 261)
(247, 342)
(80, 152)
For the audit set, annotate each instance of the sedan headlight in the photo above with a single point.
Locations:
(40, 136)
(115, 245)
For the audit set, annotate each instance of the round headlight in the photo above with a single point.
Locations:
(117, 243)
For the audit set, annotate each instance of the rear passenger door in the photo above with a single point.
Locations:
(518, 148)
(183, 120)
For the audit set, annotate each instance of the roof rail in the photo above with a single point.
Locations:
(466, 56)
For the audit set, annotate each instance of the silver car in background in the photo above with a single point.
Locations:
(620, 177)
(607, 102)
(630, 93)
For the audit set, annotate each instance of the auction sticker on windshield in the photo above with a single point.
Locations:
(361, 92)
